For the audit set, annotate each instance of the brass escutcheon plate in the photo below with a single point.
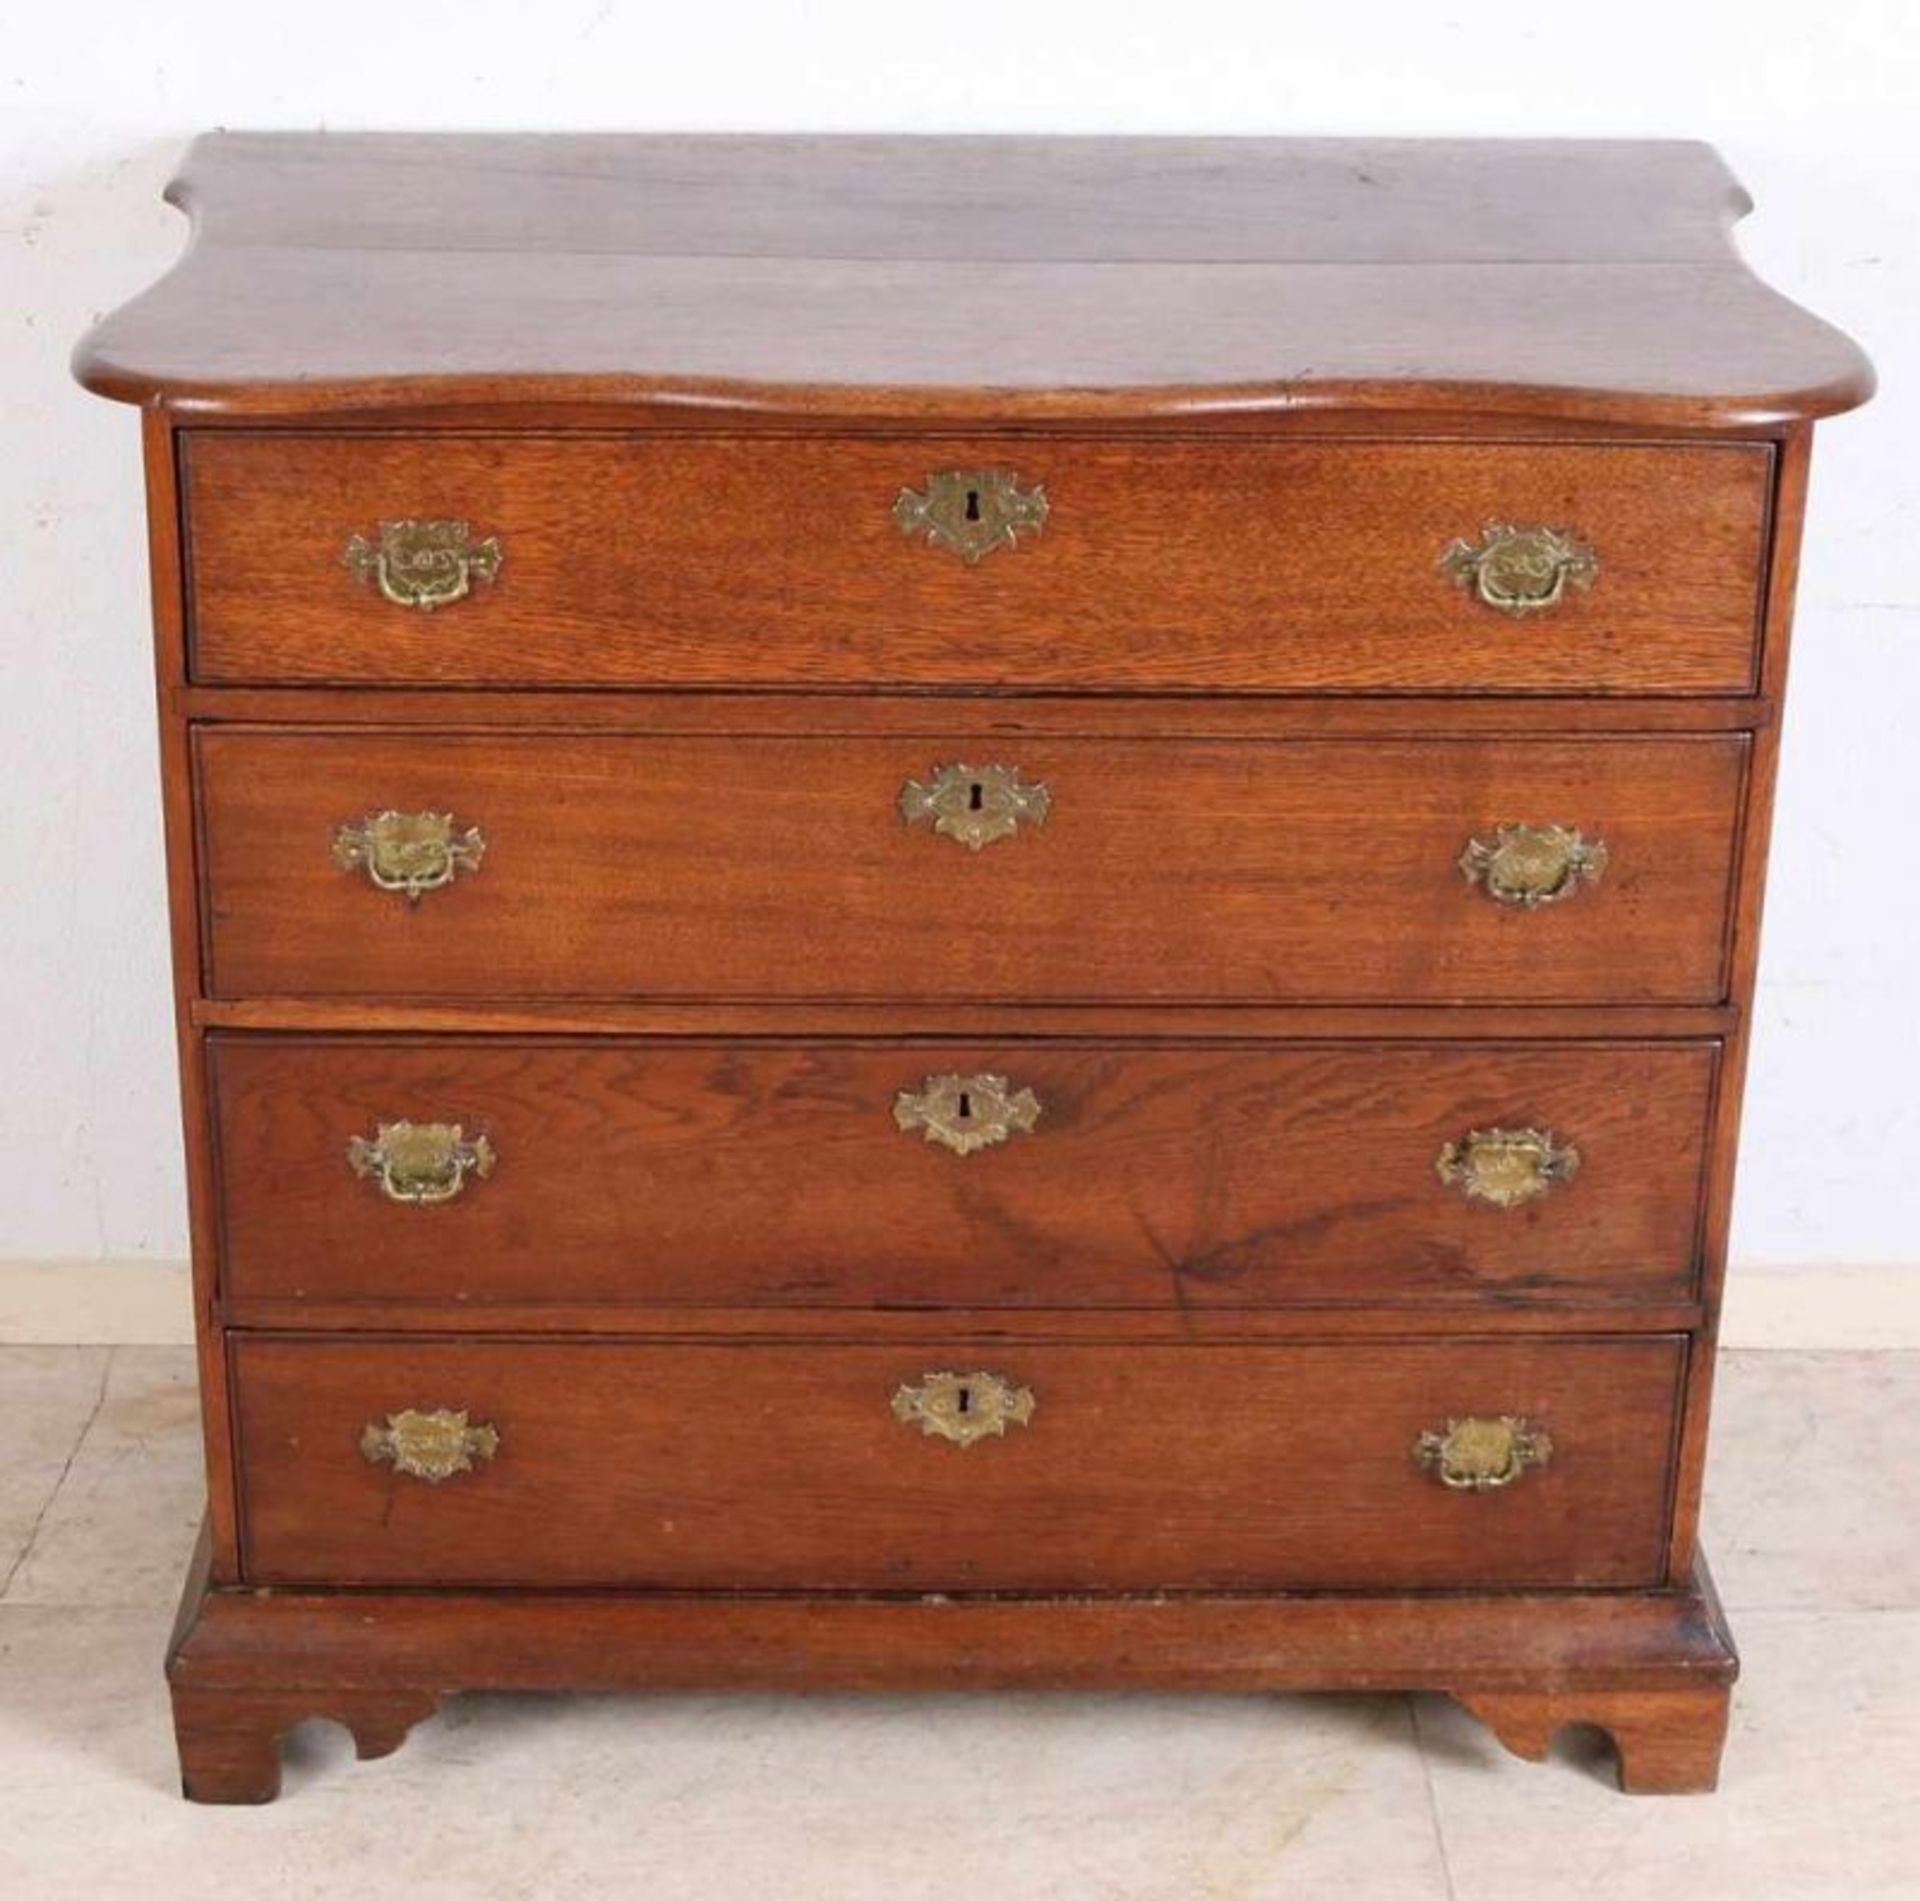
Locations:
(966, 1113)
(1482, 1455)
(408, 852)
(1520, 569)
(963, 1408)
(971, 512)
(423, 564)
(431, 1446)
(420, 1163)
(974, 805)
(1531, 865)
(1506, 1167)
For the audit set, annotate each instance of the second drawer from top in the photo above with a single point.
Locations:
(441, 866)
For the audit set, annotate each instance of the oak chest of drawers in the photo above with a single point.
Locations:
(962, 913)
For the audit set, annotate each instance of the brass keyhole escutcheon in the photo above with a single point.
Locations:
(966, 1113)
(975, 805)
(971, 512)
(963, 1408)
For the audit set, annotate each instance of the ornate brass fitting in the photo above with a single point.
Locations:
(1482, 1455)
(423, 564)
(972, 511)
(433, 1446)
(1532, 865)
(420, 1162)
(1506, 1167)
(408, 852)
(974, 805)
(965, 1113)
(1520, 570)
(963, 1407)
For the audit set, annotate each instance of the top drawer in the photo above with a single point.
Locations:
(1131, 565)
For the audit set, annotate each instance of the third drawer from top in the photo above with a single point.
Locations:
(385, 1172)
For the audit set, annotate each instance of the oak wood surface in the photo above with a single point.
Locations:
(1002, 278)
(1143, 1468)
(819, 714)
(687, 868)
(236, 1639)
(1336, 1319)
(243, 1663)
(937, 1021)
(1669, 1739)
(663, 561)
(776, 1175)
(180, 824)
(679, 868)
(229, 1740)
(1794, 463)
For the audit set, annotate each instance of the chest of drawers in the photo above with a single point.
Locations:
(962, 913)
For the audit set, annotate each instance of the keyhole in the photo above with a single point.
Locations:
(963, 1399)
(973, 504)
(966, 1105)
(976, 796)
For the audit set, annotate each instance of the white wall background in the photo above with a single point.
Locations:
(1815, 105)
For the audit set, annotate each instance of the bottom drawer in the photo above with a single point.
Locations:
(1121, 1468)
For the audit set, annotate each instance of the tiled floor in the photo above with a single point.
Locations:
(1815, 1532)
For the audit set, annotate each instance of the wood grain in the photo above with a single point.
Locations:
(1144, 1467)
(1265, 382)
(180, 823)
(638, 560)
(1323, 872)
(1669, 1739)
(1405, 1317)
(242, 1662)
(786, 1021)
(775, 1175)
(820, 714)
(970, 279)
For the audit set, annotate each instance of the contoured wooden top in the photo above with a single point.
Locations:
(930, 278)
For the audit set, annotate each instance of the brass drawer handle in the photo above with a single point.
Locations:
(1506, 1167)
(1532, 865)
(1520, 569)
(974, 805)
(965, 1113)
(408, 852)
(420, 1162)
(433, 1446)
(971, 511)
(1482, 1455)
(963, 1407)
(423, 564)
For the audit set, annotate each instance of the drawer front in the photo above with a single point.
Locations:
(1326, 870)
(957, 1175)
(1135, 1468)
(632, 560)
